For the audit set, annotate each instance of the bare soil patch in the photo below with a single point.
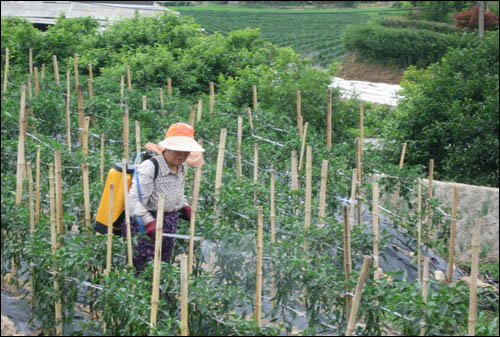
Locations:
(354, 69)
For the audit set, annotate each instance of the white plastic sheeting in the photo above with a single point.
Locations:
(380, 93)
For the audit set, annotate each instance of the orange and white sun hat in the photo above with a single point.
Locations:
(180, 137)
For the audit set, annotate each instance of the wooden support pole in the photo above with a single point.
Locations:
(21, 160)
(37, 184)
(358, 168)
(307, 218)
(218, 175)
(425, 289)
(157, 260)
(300, 124)
(375, 226)
(304, 138)
(28, 84)
(395, 196)
(75, 60)
(125, 130)
(476, 237)
(144, 103)
(129, 78)
(31, 61)
(169, 87)
(56, 69)
(6, 70)
(322, 193)
(194, 207)
(32, 227)
(102, 160)
(347, 261)
(212, 98)
(200, 110)
(53, 235)
(353, 196)
(453, 226)
(272, 214)
(254, 91)
(85, 137)
(357, 296)
(91, 85)
(250, 121)
(184, 295)
(192, 115)
(122, 90)
(126, 184)
(137, 138)
(419, 232)
(329, 121)
(258, 294)
(59, 205)
(255, 172)
(238, 146)
(37, 87)
(81, 112)
(43, 73)
(86, 195)
(109, 253)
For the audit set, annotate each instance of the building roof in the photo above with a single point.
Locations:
(46, 12)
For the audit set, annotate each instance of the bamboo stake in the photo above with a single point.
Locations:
(91, 86)
(56, 69)
(192, 115)
(307, 219)
(238, 146)
(273, 210)
(127, 212)
(194, 206)
(429, 210)
(255, 172)
(258, 294)
(53, 234)
(184, 296)
(347, 261)
(322, 193)
(329, 121)
(250, 118)
(43, 73)
(157, 260)
(451, 248)
(200, 110)
(358, 166)
(137, 137)
(59, 205)
(301, 161)
(102, 159)
(86, 194)
(21, 160)
(395, 196)
(295, 179)
(129, 78)
(353, 197)
(375, 227)
(254, 91)
(37, 91)
(125, 130)
(81, 114)
(85, 137)
(37, 205)
(31, 61)
(419, 235)
(476, 237)
(68, 126)
(144, 102)
(32, 228)
(110, 230)
(425, 289)
(299, 113)
(220, 164)
(75, 61)
(6, 70)
(169, 86)
(357, 296)
(161, 100)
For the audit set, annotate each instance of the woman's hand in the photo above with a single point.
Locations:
(185, 213)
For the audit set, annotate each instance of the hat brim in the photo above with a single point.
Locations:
(181, 143)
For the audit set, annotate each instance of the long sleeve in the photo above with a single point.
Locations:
(145, 173)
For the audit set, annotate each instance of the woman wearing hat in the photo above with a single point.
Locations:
(173, 152)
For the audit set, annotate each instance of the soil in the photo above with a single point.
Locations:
(353, 69)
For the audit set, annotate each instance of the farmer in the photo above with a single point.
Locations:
(172, 154)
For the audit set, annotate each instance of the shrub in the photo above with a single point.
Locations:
(400, 22)
(469, 19)
(450, 114)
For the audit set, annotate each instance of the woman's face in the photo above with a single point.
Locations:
(175, 158)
